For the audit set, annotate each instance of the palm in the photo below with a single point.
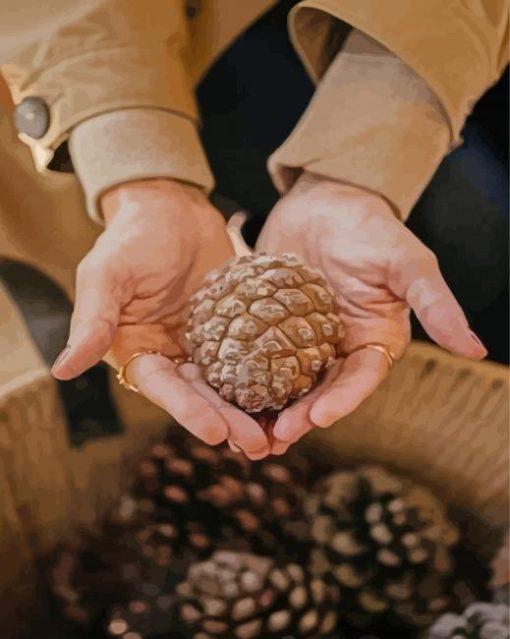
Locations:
(132, 295)
(358, 270)
(156, 310)
(379, 271)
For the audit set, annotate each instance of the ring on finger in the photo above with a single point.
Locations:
(391, 358)
(121, 375)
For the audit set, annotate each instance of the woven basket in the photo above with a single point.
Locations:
(439, 419)
(442, 420)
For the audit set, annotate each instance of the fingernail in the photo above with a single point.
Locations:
(61, 357)
(475, 337)
(233, 447)
(321, 418)
(478, 342)
(280, 449)
(280, 431)
(256, 456)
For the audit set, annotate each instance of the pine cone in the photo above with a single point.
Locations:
(242, 596)
(215, 496)
(113, 565)
(169, 485)
(263, 330)
(85, 575)
(154, 575)
(385, 542)
(479, 621)
(264, 508)
(144, 617)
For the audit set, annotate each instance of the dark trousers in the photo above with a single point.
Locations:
(251, 100)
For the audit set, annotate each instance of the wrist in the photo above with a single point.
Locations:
(149, 197)
(315, 185)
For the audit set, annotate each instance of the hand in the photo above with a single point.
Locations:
(162, 237)
(379, 271)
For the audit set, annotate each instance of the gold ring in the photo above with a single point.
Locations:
(380, 348)
(121, 375)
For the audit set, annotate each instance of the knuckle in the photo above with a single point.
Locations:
(104, 331)
(97, 263)
(420, 263)
(428, 258)
(89, 268)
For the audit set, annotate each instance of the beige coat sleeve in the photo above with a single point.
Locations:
(372, 122)
(135, 144)
(458, 48)
(393, 101)
(114, 74)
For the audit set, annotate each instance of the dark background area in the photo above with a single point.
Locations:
(251, 100)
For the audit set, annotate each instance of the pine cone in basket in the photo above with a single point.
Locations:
(263, 330)
(144, 617)
(169, 483)
(147, 613)
(213, 495)
(264, 508)
(386, 542)
(242, 596)
(85, 574)
(479, 621)
(113, 564)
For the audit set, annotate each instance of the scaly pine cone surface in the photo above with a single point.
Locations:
(242, 596)
(263, 330)
(386, 542)
(478, 621)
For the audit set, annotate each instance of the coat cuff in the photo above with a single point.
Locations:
(458, 48)
(134, 144)
(372, 123)
(95, 83)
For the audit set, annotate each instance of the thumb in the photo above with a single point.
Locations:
(95, 317)
(417, 278)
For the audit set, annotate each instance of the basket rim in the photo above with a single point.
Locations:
(440, 419)
(486, 367)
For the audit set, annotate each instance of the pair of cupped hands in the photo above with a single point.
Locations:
(161, 239)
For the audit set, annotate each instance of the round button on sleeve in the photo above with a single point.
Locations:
(32, 117)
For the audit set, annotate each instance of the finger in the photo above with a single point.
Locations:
(420, 282)
(246, 433)
(233, 447)
(294, 422)
(94, 320)
(140, 338)
(280, 448)
(358, 377)
(157, 378)
(243, 430)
